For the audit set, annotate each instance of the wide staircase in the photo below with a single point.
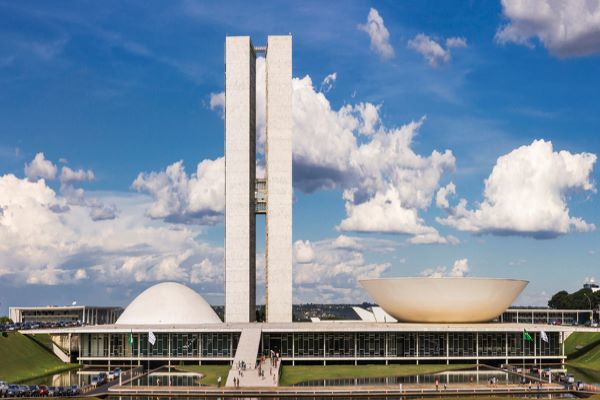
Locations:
(246, 353)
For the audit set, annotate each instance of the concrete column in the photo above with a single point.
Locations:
(417, 337)
(385, 337)
(477, 347)
(355, 349)
(240, 176)
(447, 348)
(506, 346)
(279, 179)
(109, 349)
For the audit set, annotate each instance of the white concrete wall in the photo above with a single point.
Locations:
(240, 167)
(279, 179)
(15, 314)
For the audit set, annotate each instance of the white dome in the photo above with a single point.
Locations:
(168, 303)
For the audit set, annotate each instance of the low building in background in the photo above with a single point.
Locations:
(86, 315)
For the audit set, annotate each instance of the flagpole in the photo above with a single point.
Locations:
(523, 340)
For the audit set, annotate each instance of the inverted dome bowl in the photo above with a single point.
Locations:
(447, 299)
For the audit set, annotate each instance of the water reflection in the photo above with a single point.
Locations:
(163, 377)
(66, 378)
(475, 377)
(495, 396)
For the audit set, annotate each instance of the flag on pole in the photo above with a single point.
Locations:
(130, 341)
(543, 336)
(151, 338)
(526, 336)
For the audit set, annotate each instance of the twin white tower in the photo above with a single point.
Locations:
(245, 196)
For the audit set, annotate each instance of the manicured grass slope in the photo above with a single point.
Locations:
(578, 340)
(583, 351)
(589, 360)
(291, 375)
(22, 358)
(210, 372)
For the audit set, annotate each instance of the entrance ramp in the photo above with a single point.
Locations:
(247, 353)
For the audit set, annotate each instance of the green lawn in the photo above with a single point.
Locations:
(589, 360)
(578, 340)
(291, 375)
(210, 372)
(22, 358)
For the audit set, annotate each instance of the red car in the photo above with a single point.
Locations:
(42, 390)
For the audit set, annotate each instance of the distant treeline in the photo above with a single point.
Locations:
(575, 300)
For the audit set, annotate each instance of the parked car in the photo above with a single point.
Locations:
(52, 391)
(117, 372)
(33, 389)
(42, 390)
(3, 388)
(26, 390)
(102, 378)
(13, 391)
(62, 391)
(74, 390)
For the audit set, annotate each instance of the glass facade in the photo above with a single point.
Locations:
(462, 344)
(437, 345)
(326, 345)
(174, 345)
(550, 316)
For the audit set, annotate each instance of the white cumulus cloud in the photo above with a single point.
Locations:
(349, 149)
(198, 198)
(333, 273)
(217, 102)
(379, 35)
(39, 246)
(441, 198)
(566, 28)
(328, 82)
(303, 251)
(39, 167)
(460, 268)
(434, 52)
(69, 176)
(526, 194)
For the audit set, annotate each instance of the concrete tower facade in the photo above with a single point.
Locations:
(244, 195)
(240, 177)
(279, 179)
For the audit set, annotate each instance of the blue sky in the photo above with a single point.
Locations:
(115, 94)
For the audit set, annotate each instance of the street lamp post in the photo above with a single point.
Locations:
(591, 309)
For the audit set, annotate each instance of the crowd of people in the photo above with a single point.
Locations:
(260, 367)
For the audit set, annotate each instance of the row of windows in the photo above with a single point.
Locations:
(173, 344)
(421, 344)
(330, 344)
(525, 317)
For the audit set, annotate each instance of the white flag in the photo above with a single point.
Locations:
(543, 336)
(151, 338)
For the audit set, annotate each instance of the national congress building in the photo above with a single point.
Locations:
(425, 320)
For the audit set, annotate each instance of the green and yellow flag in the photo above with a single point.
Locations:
(527, 336)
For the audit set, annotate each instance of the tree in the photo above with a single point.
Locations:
(581, 299)
(5, 320)
(559, 300)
